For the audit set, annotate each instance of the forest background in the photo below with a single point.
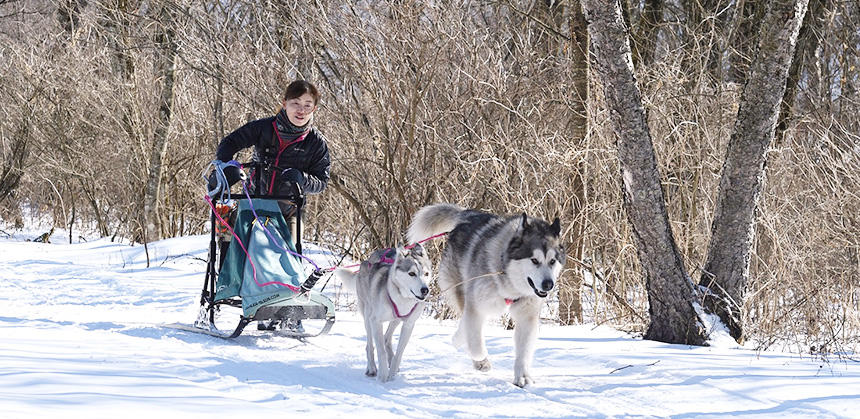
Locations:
(111, 111)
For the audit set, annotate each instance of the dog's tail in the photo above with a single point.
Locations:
(432, 220)
(347, 277)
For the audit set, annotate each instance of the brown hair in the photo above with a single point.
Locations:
(299, 88)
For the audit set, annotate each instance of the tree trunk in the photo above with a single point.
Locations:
(569, 298)
(296, 41)
(706, 23)
(739, 44)
(14, 161)
(649, 28)
(670, 290)
(804, 52)
(168, 49)
(69, 14)
(727, 268)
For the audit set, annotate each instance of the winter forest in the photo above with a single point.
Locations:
(701, 155)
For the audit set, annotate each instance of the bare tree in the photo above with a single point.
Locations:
(14, 153)
(739, 40)
(804, 56)
(670, 291)
(167, 47)
(726, 271)
(649, 29)
(569, 298)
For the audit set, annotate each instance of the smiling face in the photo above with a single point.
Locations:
(410, 274)
(535, 257)
(300, 109)
(536, 274)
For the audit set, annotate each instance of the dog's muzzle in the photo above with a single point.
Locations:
(545, 286)
(424, 291)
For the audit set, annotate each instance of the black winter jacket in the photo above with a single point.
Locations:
(309, 154)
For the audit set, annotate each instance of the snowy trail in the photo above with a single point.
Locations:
(81, 333)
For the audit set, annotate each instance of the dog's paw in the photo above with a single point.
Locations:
(523, 381)
(482, 365)
(370, 372)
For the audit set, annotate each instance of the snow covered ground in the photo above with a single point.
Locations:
(82, 335)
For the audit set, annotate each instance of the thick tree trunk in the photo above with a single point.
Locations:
(727, 268)
(670, 290)
(295, 41)
(152, 192)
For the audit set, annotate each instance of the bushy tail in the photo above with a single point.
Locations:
(347, 277)
(432, 220)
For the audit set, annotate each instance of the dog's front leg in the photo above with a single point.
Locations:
(471, 333)
(525, 316)
(371, 362)
(389, 334)
(405, 333)
(382, 357)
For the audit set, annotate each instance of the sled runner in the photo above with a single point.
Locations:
(254, 264)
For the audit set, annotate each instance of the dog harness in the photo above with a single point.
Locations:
(397, 312)
(387, 259)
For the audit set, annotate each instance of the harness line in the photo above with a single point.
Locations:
(410, 246)
(469, 280)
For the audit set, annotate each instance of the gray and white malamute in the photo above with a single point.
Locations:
(490, 264)
(390, 286)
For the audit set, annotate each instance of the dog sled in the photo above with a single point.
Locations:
(255, 265)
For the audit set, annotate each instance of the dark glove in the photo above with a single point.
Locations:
(293, 175)
(212, 184)
(233, 174)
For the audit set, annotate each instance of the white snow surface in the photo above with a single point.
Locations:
(82, 334)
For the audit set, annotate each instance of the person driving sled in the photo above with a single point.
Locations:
(289, 150)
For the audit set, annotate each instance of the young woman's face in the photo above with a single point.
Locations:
(300, 109)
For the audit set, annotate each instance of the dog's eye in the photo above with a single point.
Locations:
(411, 273)
(551, 262)
(535, 261)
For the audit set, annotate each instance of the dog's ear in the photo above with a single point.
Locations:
(417, 250)
(525, 222)
(555, 228)
(402, 251)
(375, 257)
